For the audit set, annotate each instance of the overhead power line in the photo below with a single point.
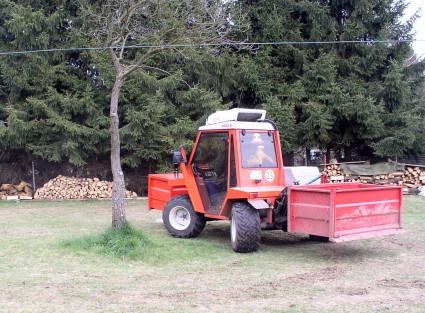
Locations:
(207, 45)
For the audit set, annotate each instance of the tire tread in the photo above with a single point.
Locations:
(197, 220)
(248, 228)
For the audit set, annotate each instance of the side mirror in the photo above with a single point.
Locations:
(176, 158)
(183, 155)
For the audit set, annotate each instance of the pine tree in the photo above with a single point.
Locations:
(404, 117)
(343, 95)
(352, 97)
(52, 107)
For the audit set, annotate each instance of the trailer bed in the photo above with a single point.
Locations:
(344, 212)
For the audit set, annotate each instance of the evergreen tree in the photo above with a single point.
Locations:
(52, 107)
(343, 95)
(404, 115)
(352, 97)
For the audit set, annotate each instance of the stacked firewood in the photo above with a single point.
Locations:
(21, 191)
(334, 173)
(414, 177)
(395, 178)
(63, 187)
(411, 177)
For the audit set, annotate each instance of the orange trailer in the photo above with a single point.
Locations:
(235, 172)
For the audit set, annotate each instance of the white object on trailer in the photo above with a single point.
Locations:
(302, 175)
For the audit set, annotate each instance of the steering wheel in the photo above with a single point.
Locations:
(204, 171)
(196, 170)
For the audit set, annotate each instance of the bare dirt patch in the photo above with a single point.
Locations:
(354, 291)
(325, 274)
(394, 283)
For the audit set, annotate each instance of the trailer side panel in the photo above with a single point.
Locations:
(346, 211)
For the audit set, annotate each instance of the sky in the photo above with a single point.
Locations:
(419, 27)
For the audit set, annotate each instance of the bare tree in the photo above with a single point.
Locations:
(123, 26)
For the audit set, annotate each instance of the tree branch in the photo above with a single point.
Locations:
(116, 62)
(140, 62)
(123, 46)
(155, 69)
(165, 72)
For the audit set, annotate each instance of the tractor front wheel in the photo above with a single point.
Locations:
(245, 229)
(181, 220)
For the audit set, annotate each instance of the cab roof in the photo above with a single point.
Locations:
(238, 119)
(239, 125)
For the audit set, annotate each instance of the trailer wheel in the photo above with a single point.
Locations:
(318, 238)
(180, 219)
(245, 230)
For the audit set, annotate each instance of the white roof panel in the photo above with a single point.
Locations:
(235, 114)
(238, 125)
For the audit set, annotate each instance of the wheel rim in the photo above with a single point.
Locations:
(233, 230)
(179, 218)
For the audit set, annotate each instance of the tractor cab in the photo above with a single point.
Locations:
(235, 172)
(236, 152)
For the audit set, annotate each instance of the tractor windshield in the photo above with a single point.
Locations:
(258, 149)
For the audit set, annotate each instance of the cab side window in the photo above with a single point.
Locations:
(210, 166)
(211, 153)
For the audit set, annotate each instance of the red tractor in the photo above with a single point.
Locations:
(235, 172)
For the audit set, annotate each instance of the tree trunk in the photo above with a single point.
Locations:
(118, 208)
(307, 157)
(289, 159)
(328, 155)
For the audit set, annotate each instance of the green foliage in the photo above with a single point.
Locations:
(284, 116)
(160, 114)
(314, 128)
(124, 242)
(52, 110)
(56, 111)
(354, 96)
(395, 88)
(130, 243)
(32, 28)
(403, 121)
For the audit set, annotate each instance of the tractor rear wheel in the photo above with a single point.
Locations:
(180, 219)
(245, 229)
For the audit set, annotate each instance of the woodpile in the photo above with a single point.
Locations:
(62, 187)
(22, 191)
(413, 177)
(385, 179)
(334, 173)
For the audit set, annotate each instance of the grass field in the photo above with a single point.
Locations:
(39, 272)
